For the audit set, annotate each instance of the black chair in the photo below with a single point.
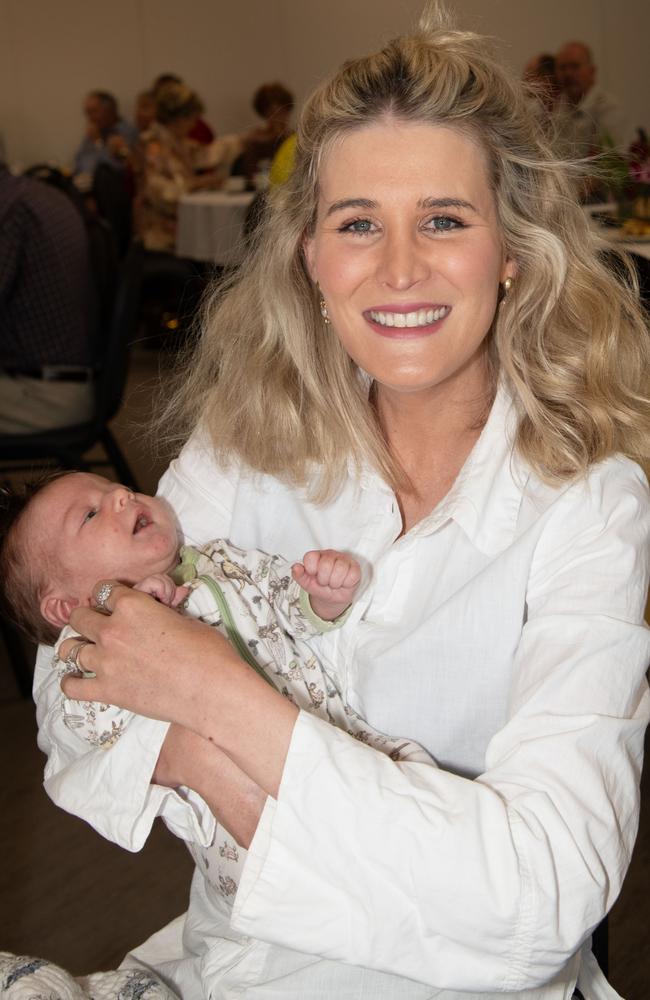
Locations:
(172, 288)
(67, 447)
(56, 178)
(113, 202)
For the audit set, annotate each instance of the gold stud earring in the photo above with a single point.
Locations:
(323, 311)
(506, 286)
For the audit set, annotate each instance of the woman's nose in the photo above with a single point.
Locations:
(403, 262)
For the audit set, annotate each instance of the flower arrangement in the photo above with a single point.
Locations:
(639, 183)
(628, 180)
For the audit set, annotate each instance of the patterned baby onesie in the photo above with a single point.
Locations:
(253, 600)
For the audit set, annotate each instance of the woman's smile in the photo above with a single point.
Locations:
(414, 320)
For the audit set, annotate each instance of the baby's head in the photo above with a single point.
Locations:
(72, 531)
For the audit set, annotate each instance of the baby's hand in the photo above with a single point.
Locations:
(163, 588)
(330, 578)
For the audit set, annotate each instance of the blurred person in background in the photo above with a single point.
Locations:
(589, 119)
(201, 132)
(46, 309)
(108, 138)
(540, 74)
(274, 104)
(145, 110)
(169, 164)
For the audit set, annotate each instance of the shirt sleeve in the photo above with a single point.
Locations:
(103, 773)
(489, 884)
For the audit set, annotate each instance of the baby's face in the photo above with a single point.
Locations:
(90, 529)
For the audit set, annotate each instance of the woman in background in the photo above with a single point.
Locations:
(169, 164)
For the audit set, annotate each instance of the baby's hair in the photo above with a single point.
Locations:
(23, 577)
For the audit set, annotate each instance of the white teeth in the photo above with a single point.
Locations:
(419, 317)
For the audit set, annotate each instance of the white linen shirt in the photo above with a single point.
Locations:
(505, 633)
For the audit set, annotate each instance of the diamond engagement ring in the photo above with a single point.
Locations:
(72, 665)
(103, 595)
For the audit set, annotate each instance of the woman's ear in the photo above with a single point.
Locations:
(509, 269)
(57, 610)
(308, 252)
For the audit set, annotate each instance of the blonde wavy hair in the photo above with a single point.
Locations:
(276, 389)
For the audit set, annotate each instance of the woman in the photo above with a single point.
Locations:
(425, 363)
(169, 164)
(274, 104)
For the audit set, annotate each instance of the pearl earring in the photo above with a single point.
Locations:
(323, 311)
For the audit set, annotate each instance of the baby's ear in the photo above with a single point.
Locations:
(57, 610)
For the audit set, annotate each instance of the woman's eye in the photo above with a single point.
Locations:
(444, 224)
(360, 226)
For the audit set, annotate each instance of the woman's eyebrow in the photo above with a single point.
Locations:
(345, 203)
(338, 206)
(446, 203)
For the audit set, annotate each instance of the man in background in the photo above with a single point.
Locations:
(589, 119)
(46, 309)
(108, 137)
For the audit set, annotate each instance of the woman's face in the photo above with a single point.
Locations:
(408, 254)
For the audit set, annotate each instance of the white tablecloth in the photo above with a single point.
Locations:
(641, 248)
(210, 226)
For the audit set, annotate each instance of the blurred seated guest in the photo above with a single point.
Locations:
(589, 119)
(108, 137)
(46, 309)
(274, 103)
(200, 131)
(145, 110)
(540, 74)
(171, 164)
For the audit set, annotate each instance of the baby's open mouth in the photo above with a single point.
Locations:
(140, 522)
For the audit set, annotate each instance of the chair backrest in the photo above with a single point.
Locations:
(104, 266)
(56, 178)
(113, 202)
(113, 358)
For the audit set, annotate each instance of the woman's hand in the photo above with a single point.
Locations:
(153, 661)
(235, 800)
(139, 652)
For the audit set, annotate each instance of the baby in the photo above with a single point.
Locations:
(79, 528)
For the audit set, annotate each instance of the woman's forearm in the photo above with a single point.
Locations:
(233, 798)
(244, 716)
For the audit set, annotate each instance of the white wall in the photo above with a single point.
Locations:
(53, 51)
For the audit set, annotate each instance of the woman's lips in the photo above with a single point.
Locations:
(406, 321)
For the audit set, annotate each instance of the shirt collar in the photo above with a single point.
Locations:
(486, 497)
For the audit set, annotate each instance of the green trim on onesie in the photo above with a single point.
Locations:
(320, 624)
(186, 572)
